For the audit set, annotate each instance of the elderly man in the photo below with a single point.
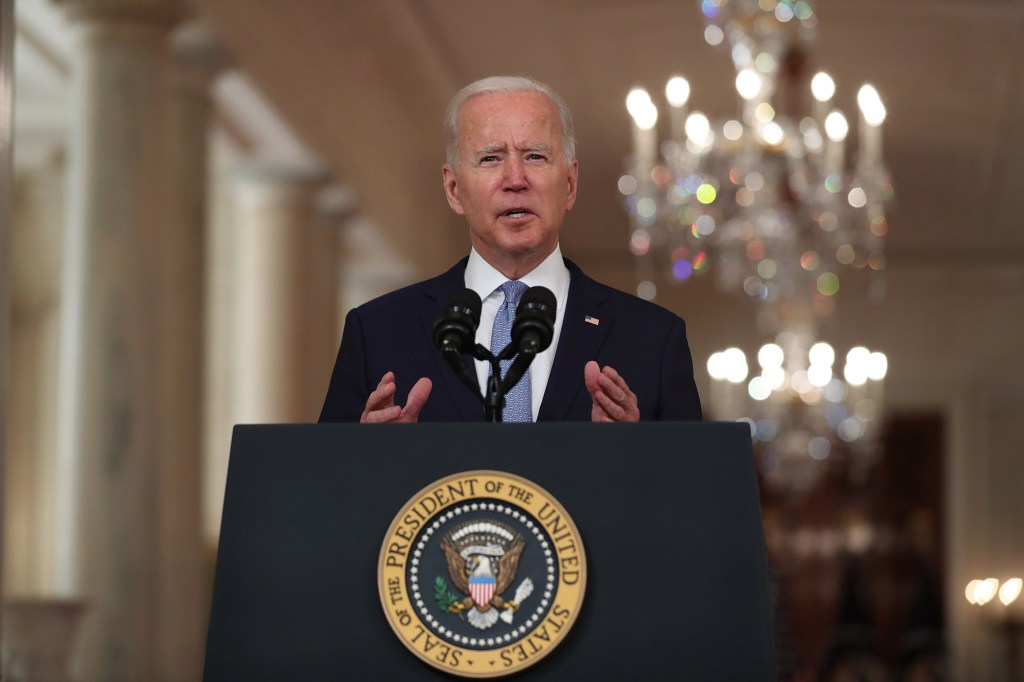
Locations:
(512, 172)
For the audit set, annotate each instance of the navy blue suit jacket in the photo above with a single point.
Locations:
(645, 343)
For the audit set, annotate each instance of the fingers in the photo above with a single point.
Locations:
(614, 385)
(591, 372)
(592, 378)
(380, 401)
(381, 407)
(417, 398)
(612, 399)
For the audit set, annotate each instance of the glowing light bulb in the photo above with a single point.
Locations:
(698, 128)
(878, 366)
(677, 91)
(772, 133)
(770, 355)
(985, 590)
(836, 126)
(636, 101)
(821, 354)
(748, 84)
(822, 86)
(969, 591)
(647, 117)
(717, 366)
(736, 365)
(871, 105)
(819, 375)
(859, 356)
(1010, 590)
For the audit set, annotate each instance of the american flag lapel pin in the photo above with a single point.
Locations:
(589, 319)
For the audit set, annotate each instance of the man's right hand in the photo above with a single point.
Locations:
(381, 408)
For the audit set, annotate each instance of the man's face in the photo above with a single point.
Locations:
(513, 183)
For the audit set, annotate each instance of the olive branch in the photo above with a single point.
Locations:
(443, 596)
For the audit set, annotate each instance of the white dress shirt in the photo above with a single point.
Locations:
(482, 278)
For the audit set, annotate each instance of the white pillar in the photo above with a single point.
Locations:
(184, 597)
(117, 505)
(280, 298)
(6, 185)
(31, 461)
(220, 330)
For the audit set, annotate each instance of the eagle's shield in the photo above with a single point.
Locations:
(481, 588)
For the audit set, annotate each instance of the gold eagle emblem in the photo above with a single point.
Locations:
(483, 558)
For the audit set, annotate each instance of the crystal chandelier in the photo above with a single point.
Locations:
(766, 200)
(773, 203)
(801, 410)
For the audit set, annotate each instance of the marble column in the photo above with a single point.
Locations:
(184, 600)
(118, 506)
(284, 315)
(29, 569)
(6, 185)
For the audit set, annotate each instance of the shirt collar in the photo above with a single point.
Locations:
(482, 278)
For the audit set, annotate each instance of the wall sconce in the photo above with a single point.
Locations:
(1002, 610)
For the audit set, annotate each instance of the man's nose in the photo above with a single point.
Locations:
(515, 174)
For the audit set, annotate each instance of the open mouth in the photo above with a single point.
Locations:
(516, 213)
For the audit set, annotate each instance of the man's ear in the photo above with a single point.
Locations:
(451, 189)
(574, 175)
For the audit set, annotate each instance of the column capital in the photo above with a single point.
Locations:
(304, 174)
(197, 55)
(160, 12)
(336, 206)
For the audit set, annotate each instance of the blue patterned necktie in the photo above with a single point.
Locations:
(518, 405)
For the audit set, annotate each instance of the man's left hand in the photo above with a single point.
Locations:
(613, 401)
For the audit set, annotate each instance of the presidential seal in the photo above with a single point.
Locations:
(482, 574)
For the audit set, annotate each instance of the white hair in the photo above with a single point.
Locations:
(504, 85)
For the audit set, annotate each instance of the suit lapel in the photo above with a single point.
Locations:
(578, 342)
(437, 293)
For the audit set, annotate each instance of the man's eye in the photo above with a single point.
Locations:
(536, 157)
(488, 159)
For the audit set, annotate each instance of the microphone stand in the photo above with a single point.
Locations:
(493, 397)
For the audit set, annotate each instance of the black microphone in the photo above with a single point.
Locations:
(534, 325)
(531, 333)
(456, 327)
(455, 334)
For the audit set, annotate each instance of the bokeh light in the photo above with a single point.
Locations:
(822, 86)
(627, 185)
(828, 283)
(733, 130)
(698, 128)
(682, 269)
(706, 194)
(748, 84)
(640, 242)
(677, 91)
(836, 126)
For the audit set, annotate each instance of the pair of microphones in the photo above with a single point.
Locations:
(531, 333)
